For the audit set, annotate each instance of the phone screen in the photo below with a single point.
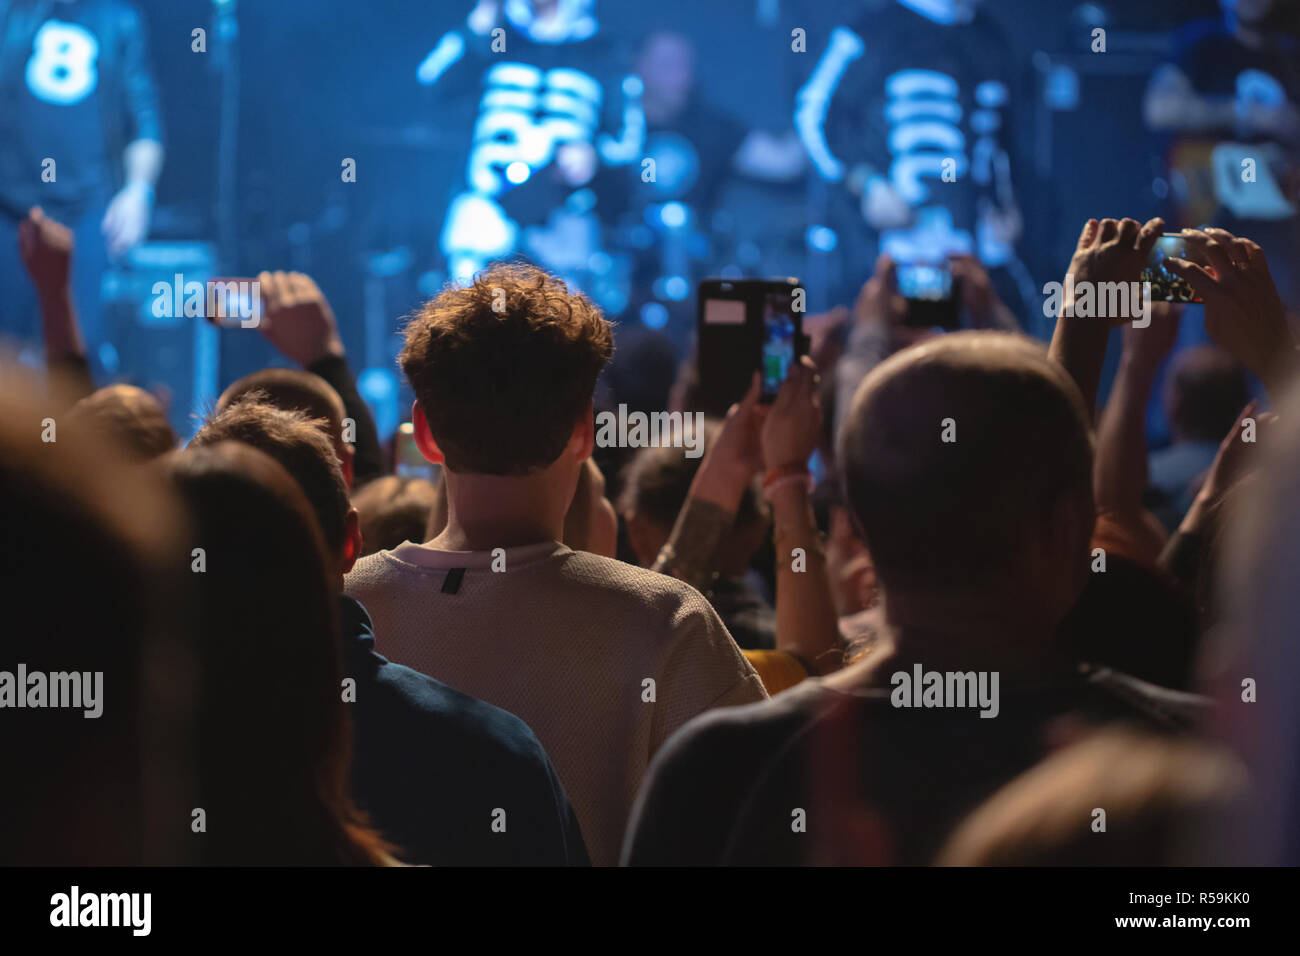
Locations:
(408, 460)
(778, 343)
(929, 283)
(232, 302)
(931, 295)
(744, 326)
(1165, 286)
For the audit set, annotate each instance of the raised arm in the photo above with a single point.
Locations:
(1243, 312)
(1107, 251)
(706, 517)
(46, 249)
(806, 623)
(298, 321)
(1120, 470)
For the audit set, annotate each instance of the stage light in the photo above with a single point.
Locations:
(821, 238)
(654, 315)
(518, 172)
(673, 215)
(380, 388)
(675, 288)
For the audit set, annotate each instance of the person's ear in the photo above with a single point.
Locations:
(423, 437)
(583, 439)
(351, 540)
(348, 463)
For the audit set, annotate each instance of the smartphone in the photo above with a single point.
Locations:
(408, 461)
(779, 346)
(232, 302)
(745, 325)
(930, 291)
(1165, 286)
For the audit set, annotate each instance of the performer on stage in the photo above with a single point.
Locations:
(696, 146)
(80, 136)
(696, 143)
(554, 102)
(909, 108)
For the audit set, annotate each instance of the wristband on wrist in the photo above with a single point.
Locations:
(782, 471)
(786, 475)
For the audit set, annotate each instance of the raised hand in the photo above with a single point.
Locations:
(734, 456)
(46, 250)
(126, 222)
(1236, 458)
(793, 423)
(297, 318)
(1112, 250)
(1243, 312)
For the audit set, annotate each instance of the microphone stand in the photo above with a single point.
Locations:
(225, 61)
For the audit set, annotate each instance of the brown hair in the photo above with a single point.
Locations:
(657, 482)
(503, 367)
(274, 736)
(394, 509)
(294, 391)
(297, 443)
(90, 792)
(129, 418)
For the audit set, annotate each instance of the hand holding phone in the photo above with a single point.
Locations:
(779, 345)
(1165, 285)
(232, 302)
(746, 325)
(930, 291)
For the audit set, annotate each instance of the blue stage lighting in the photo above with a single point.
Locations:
(518, 172)
(822, 238)
(673, 215)
(654, 315)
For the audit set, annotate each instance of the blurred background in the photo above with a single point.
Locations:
(258, 127)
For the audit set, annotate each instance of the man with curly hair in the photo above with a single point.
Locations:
(602, 659)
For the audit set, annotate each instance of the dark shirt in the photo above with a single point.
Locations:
(432, 767)
(589, 74)
(707, 135)
(748, 617)
(76, 89)
(1172, 478)
(1217, 63)
(693, 154)
(368, 459)
(916, 78)
(724, 788)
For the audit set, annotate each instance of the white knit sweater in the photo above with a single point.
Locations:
(569, 642)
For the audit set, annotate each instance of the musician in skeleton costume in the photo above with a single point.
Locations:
(908, 108)
(553, 104)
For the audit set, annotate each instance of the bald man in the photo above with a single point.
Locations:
(966, 465)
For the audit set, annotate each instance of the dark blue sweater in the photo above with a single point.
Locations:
(435, 768)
